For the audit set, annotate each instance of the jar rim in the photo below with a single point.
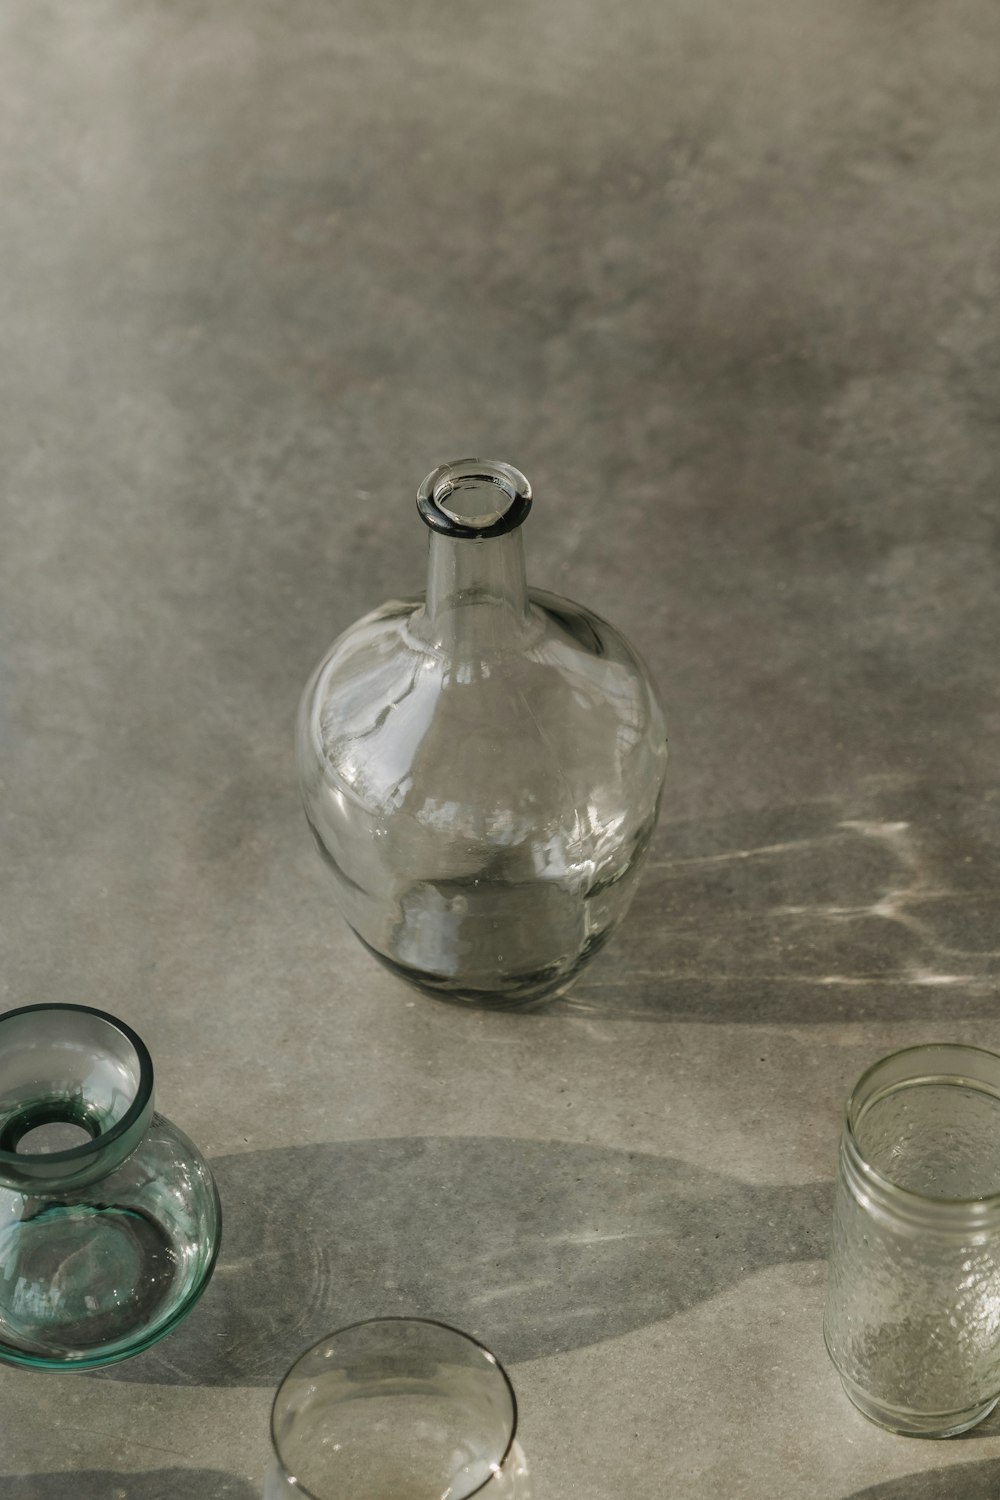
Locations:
(308, 1494)
(24, 1160)
(978, 1213)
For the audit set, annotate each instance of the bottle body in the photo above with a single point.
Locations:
(481, 771)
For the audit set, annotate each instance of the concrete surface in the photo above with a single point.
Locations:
(723, 280)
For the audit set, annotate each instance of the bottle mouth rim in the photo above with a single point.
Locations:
(511, 493)
(24, 1161)
(459, 1333)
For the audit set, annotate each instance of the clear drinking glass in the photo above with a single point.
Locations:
(396, 1409)
(913, 1303)
(109, 1217)
(481, 766)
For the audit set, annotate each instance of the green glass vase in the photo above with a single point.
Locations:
(109, 1217)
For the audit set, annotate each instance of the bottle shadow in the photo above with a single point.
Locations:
(886, 908)
(108, 1484)
(536, 1247)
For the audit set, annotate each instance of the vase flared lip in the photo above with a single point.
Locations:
(327, 1338)
(908, 1205)
(23, 1160)
(513, 498)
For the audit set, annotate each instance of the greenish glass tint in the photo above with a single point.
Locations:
(481, 766)
(109, 1218)
(401, 1407)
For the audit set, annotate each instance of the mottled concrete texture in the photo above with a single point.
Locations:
(724, 281)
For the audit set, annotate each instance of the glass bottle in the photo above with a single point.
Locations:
(406, 1407)
(109, 1217)
(481, 766)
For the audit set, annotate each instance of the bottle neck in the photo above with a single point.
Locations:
(477, 594)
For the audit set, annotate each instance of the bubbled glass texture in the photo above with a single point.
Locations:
(913, 1305)
(482, 776)
(109, 1216)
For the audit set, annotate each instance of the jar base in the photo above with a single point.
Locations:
(914, 1423)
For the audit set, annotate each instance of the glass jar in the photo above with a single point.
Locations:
(481, 766)
(913, 1303)
(406, 1407)
(109, 1217)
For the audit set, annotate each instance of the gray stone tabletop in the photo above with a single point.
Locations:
(724, 282)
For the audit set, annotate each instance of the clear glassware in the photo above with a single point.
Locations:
(400, 1407)
(109, 1217)
(481, 766)
(913, 1302)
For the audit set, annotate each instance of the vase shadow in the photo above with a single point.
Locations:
(535, 1247)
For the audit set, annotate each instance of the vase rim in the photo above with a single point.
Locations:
(24, 1160)
(504, 516)
(308, 1494)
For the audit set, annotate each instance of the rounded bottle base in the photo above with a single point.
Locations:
(515, 992)
(915, 1423)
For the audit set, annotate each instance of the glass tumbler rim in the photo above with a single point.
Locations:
(121, 1128)
(981, 1213)
(326, 1338)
